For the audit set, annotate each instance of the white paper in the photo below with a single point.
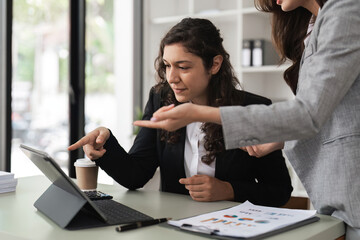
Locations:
(6, 190)
(8, 183)
(245, 220)
(6, 175)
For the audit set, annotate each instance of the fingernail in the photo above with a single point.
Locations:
(153, 119)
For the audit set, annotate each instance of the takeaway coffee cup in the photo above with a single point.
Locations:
(86, 174)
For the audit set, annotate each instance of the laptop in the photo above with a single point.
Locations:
(69, 207)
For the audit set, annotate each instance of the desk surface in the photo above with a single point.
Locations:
(19, 219)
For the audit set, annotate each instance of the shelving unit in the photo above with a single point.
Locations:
(237, 20)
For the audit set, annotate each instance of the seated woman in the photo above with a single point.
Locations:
(193, 66)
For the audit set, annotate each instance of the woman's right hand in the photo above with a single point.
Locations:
(93, 143)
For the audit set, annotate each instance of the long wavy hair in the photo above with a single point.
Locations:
(289, 30)
(201, 38)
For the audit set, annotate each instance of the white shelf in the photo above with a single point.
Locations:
(166, 20)
(250, 10)
(265, 69)
(225, 15)
(218, 14)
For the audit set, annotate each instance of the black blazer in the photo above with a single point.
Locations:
(263, 181)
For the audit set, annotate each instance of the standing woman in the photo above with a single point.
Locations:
(322, 124)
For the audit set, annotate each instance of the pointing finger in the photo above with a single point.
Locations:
(83, 141)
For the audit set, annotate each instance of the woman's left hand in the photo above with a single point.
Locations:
(263, 149)
(204, 188)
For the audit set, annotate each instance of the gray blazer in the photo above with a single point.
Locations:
(322, 123)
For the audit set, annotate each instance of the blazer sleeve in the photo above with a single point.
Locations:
(330, 66)
(269, 182)
(134, 169)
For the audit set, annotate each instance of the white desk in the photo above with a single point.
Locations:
(19, 219)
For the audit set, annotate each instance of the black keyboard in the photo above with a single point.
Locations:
(97, 195)
(118, 213)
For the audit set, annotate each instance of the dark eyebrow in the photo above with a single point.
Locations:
(179, 62)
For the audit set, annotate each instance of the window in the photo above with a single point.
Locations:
(109, 69)
(40, 79)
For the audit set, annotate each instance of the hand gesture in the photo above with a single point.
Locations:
(263, 149)
(93, 143)
(204, 188)
(169, 118)
(172, 118)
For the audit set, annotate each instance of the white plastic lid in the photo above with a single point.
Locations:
(84, 162)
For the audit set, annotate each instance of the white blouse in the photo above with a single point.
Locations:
(194, 150)
(310, 27)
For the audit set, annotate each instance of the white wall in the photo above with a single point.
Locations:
(124, 28)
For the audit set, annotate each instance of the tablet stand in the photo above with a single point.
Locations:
(59, 205)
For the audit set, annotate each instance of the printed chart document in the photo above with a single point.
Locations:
(246, 221)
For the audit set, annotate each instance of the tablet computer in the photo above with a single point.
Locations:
(68, 206)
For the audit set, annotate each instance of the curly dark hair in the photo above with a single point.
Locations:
(201, 38)
(289, 30)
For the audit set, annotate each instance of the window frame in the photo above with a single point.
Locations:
(5, 83)
(77, 79)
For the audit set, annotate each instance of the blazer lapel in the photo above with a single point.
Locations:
(220, 165)
(180, 161)
(178, 150)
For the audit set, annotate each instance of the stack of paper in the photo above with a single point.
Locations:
(7, 182)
